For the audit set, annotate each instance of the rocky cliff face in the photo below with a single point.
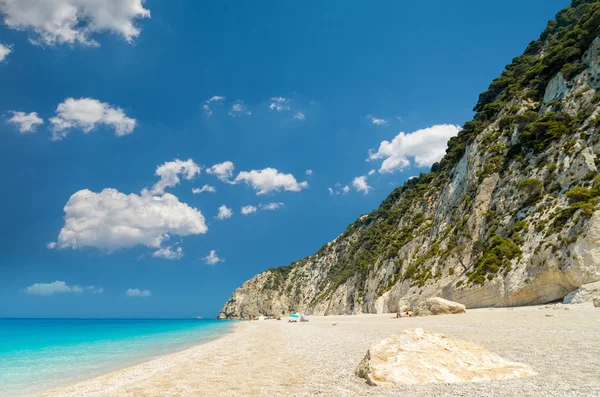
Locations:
(508, 217)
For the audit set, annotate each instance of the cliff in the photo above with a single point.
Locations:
(508, 217)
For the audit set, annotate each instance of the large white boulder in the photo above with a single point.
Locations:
(435, 306)
(585, 293)
(418, 357)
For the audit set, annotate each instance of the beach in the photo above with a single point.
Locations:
(276, 358)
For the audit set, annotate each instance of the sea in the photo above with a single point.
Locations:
(38, 355)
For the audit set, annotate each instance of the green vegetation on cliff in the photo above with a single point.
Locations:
(511, 127)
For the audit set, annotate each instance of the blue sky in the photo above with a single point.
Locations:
(304, 85)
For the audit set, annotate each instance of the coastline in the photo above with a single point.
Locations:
(90, 364)
(561, 342)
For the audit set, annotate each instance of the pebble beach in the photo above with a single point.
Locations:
(276, 358)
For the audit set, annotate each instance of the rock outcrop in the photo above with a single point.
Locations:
(436, 306)
(584, 294)
(596, 302)
(508, 217)
(417, 357)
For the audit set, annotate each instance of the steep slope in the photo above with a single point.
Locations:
(508, 217)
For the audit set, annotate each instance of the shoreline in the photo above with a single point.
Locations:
(561, 342)
(117, 366)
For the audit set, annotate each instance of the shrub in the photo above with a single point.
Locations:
(579, 194)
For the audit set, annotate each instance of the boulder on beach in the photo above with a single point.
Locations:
(418, 357)
(584, 294)
(597, 302)
(435, 306)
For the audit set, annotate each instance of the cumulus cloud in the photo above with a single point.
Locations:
(25, 122)
(212, 258)
(60, 287)
(87, 114)
(330, 191)
(346, 189)
(73, 21)
(51, 245)
(248, 209)
(271, 206)
(422, 148)
(279, 104)
(111, 220)
(4, 51)
(376, 121)
(138, 293)
(223, 170)
(299, 116)
(169, 252)
(169, 174)
(224, 213)
(308, 172)
(205, 188)
(269, 179)
(360, 184)
(207, 104)
(372, 172)
(239, 109)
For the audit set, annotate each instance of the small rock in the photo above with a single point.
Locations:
(550, 315)
(596, 302)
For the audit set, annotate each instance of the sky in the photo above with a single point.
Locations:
(157, 154)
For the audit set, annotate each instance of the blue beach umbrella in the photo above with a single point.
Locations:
(294, 315)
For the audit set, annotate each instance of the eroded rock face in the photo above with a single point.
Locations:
(417, 357)
(435, 306)
(428, 243)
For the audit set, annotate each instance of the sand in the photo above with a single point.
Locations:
(276, 358)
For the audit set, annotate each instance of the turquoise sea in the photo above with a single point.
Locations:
(41, 354)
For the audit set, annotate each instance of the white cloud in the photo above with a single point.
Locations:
(248, 209)
(279, 104)
(110, 220)
(212, 258)
(360, 184)
(223, 170)
(169, 174)
(25, 122)
(137, 293)
(339, 189)
(60, 287)
(424, 147)
(269, 179)
(239, 109)
(271, 206)
(308, 172)
(206, 106)
(372, 172)
(73, 21)
(376, 121)
(205, 188)
(87, 114)
(51, 245)
(299, 116)
(4, 51)
(168, 253)
(224, 213)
